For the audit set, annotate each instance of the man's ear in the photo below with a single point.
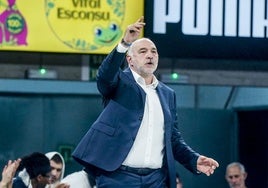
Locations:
(129, 60)
(245, 175)
(39, 177)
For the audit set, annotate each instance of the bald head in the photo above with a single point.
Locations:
(138, 42)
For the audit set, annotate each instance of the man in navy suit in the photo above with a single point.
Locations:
(134, 142)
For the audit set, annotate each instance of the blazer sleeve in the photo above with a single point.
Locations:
(183, 153)
(108, 72)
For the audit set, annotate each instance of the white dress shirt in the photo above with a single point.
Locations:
(147, 150)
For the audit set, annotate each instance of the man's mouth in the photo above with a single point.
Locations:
(149, 63)
(52, 179)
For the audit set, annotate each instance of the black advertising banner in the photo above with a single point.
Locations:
(214, 29)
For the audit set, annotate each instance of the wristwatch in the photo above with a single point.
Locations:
(126, 44)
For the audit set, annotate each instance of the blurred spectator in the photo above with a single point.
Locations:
(8, 173)
(57, 165)
(236, 175)
(34, 171)
(79, 179)
(178, 181)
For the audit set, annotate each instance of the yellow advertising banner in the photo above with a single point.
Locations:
(73, 26)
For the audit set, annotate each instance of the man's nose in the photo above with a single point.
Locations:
(233, 180)
(150, 56)
(53, 172)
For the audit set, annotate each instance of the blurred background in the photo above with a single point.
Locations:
(212, 53)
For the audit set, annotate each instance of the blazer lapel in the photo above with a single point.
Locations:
(133, 82)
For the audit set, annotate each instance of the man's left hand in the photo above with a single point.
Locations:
(206, 165)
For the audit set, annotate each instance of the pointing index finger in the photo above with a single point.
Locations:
(141, 19)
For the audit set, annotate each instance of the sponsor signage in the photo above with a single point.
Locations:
(76, 26)
(236, 29)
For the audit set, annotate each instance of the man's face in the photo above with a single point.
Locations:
(56, 170)
(144, 57)
(43, 180)
(235, 178)
(178, 183)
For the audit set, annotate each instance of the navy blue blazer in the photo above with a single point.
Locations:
(111, 136)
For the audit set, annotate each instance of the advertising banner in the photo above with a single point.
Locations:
(225, 29)
(73, 26)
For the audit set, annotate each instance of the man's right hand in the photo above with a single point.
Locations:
(133, 31)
